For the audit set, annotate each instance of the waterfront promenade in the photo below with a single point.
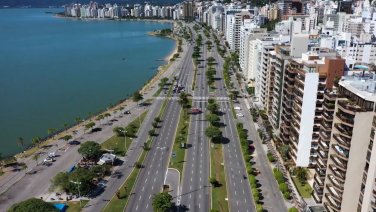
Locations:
(36, 185)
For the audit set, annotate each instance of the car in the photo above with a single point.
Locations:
(237, 108)
(173, 154)
(49, 159)
(240, 115)
(127, 112)
(235, 101)
(74, 142)
(46, 164)
(251, 146)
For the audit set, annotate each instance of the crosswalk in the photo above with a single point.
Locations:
(196, 98)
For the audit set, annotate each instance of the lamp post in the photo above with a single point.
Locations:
(125, 141)
(162, 148)
(78, 187)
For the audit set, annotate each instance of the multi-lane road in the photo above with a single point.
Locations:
(152, 176)
(195, 194)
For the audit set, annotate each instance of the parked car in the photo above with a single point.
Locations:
(49, 159)
(251, 146)
(127, 112)
(240, 115)
(235, 101)
(46, 164)
(237, 108)
(74, 143)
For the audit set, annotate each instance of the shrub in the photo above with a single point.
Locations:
(252, 178)
(286, 195)
(214, 210)
(257, 199)
(253, 185)
(157, 119)
(247, 158)
(274, 170)
(259, 208)
(212, 180)
(255, 192)
(244, 142)
(271, 158)
(249, 169)
(293, 209)
(239, 126)
(279, 177)
(242, 135)
(283, 187)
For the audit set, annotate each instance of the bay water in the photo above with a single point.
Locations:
(53, 70)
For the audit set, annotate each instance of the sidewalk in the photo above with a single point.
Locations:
(9, 178)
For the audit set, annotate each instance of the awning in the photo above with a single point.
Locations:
(72, 169)
(61, 207)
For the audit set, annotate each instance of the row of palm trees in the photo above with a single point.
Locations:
(51, 131)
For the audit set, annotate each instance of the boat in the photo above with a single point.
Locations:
(48, 12)
(123, 58)
(160, 60)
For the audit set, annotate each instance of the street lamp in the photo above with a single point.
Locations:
(162, 148)
(78, 186)
(125, 140)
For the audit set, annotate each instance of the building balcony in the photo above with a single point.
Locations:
(339, 175)
(329, 106)
(346, 120)
(299, 79)
(342, 141)
(340, 164)
(317, 189)
(326, 126)
(338, 185)
(343, 131)
(323, 156)
(318, 181)
(350, 107)
(374, 193)
(327, 116)
(321, 173)
(342, 154)
(332, 204)
(324, 135)
(337, 196)
(373, 204)
(316, 198)
(321, 163)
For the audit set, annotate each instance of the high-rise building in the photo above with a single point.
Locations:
(345, 177)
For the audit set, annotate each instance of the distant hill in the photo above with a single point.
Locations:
(46, 3)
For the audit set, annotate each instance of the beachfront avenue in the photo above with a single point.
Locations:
(143, 171)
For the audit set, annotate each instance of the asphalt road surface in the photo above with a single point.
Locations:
(196, 188)
(151, 177)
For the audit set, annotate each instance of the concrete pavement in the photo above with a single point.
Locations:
(173, 181)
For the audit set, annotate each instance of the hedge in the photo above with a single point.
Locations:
(283, 187)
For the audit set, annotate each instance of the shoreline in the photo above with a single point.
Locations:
(142, 89)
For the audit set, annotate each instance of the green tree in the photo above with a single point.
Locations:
(21, 143)
(121, 108)
(213, 119)
(154, 124)
(162, 202)
(259, 208)
(157, 119)
(33, 204)
(213, 108)
(212, 180)
(78, 119)
(293, 209)
(151, 132)
(183, 99)
(213, 132)
(210, 60)
(119, 131)
(285, 151)
(211, 101)
(36, 141)
(90, 150)
(301, 174)
(99, 118)
(107, 115)
(283, 187)
(66, 138)
(51, 131)
(59, 182)
(36, 157)
(90, 125)
(137, 97)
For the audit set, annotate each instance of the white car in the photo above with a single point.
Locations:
(240, 114)
(237, 108)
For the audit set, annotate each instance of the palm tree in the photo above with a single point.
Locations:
(21, 142)
(36, 141)
(115, 111)
(90, 114)
(119, 101)
(107, 115)
(100, 110)
(110, 106)
(121, 109)
(36, 157)
(74, 134)
(24, 167)
(65, 124)
(78, 119)
(99, 118)
(51, 131)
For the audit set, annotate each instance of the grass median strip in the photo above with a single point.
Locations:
(219, 190)
(181, 137)
(232, 109)
(116, 142)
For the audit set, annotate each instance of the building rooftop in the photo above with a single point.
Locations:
(315, 208)
(361, 84)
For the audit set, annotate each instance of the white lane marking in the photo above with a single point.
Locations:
(191, 179)
(150, 196)
(143, 188)
(136, 207)
(146, 180)
(152, 188)
(157, 172)
(139, 198)
(147, 206)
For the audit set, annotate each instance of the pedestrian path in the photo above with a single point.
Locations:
(195, 98)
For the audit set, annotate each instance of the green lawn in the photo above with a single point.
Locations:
(302, 188)
(116, 204)
(181, 137)
(74, 206)
(219, 192)
(117, 143)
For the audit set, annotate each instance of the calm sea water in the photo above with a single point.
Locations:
(53, 70)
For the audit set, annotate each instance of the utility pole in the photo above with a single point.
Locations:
(78, 187)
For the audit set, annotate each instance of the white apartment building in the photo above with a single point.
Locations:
(245, 31)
